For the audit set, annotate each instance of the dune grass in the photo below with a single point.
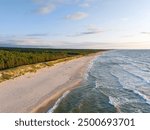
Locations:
(21, 70)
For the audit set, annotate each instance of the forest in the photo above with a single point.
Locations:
(14, 57)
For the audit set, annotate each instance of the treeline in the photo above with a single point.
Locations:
(14, 57)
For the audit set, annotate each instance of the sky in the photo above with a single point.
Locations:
(87, 24)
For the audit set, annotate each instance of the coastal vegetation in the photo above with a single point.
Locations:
(15, 62)
(14, 57)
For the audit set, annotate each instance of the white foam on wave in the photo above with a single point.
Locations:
(58, 102)
(133, 83)
(143, 96)
(143, 75)
(113, 101)
(96, 84)
(89, 68)
(125, 72)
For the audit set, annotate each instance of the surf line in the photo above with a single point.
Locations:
(51, 110)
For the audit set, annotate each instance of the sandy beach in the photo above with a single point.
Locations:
(37, 92)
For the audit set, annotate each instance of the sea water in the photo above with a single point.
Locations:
(117, 81)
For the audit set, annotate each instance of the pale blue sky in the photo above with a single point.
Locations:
(75, 23)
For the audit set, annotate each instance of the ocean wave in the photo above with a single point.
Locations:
(113, 101)
(139, 73)
(58, 102)
(117, 78)
(89, 68)
(147, 100)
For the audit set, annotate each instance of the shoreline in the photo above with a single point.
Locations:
(49, 102)
(32, 98)
(46, 105)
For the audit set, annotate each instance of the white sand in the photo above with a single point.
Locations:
(33, 92)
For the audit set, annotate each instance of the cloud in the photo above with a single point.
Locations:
(30, 41)
(45, 6)
(37, 35)
(146, 33)
(86, 3)
(77, 16)
(90, 32)
(27, 41)
(46, 9)
(91, 29)
(47, 43)
(48, 6)
(94, 28)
